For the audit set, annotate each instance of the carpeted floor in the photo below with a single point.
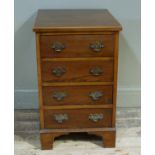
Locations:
(127, 143)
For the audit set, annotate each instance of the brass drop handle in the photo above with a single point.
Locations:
(96, 71)
(95, 117)
(58, 47)
(59, 96)
(60, 118)
(96, 95)
(59, 71)
(97, 46)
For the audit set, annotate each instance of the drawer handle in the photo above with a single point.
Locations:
(95, 117)
(96, 95)
(96, 71)
(58, 47)
(59, 71)
(97, 46)
(60, 118)
(59, 96)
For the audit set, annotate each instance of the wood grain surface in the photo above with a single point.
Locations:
(77, 95)
(78, 71)
(76, 46)
(75, 20)
(78, 118)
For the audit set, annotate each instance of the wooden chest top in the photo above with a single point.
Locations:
(79, 20)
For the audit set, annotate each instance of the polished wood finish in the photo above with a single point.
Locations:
(47, 140)
(76, 83)
(73, 97)
(77, 130)
(108, 136)
(77, 61)
(78, 71)
(78, 119)
(39, 81)
(75, 20)
(79, 106)
(115, 78)
(76, 46)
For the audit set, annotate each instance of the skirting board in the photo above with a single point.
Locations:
(28, 98)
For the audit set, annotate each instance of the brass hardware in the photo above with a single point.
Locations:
(96, 95)
(59, 71)
(60, 118)
(59, 96)
(96, 71)
(95, 117)
(58, 47)
(97, 46)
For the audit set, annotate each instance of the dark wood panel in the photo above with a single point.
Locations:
(76, 45)
(78, 71)
(77, 95)
(78, 118)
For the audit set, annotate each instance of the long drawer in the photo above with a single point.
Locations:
(78, 118)
(77, 95)
(77, 71)
(61, 46)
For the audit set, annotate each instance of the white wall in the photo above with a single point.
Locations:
(128, 14)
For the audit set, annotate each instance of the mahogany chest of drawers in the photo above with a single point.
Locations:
(77, 57)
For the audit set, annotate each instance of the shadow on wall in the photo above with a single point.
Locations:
(25, 56)
(26, 96)
(129, 66)
(129, 69)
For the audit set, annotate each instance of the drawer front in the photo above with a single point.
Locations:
(78, 118)
(59, 46)
(77, 71)
(77, 95)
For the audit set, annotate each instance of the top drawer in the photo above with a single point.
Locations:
(58, 46)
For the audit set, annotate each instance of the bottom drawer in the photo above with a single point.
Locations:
(78, 118)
